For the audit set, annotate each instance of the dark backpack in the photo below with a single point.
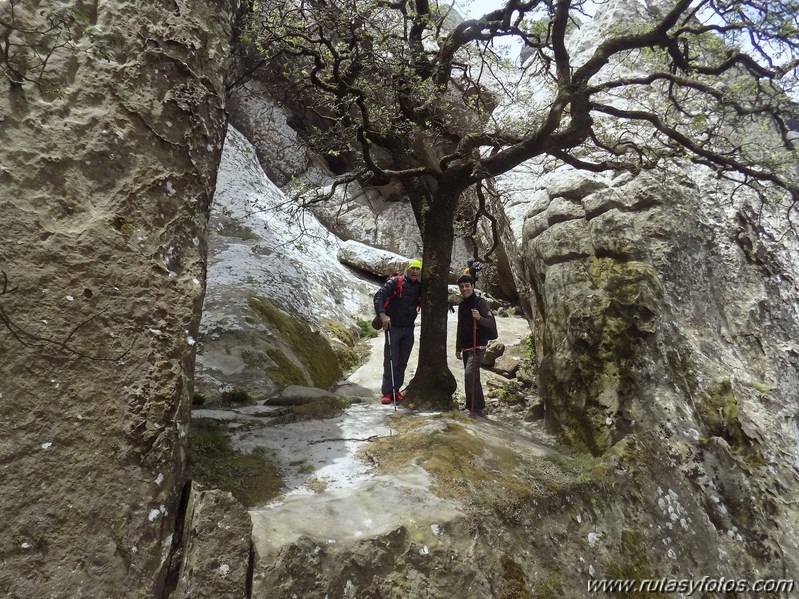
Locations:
(376, 324)
(491, 333)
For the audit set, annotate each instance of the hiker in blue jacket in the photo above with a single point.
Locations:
(397, 304)
(476, 326)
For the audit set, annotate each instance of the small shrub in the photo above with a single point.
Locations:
(235, 396)
(365, 327)
(207, 437)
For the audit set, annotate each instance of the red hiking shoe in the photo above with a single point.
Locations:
(386, 400)
(400, 397)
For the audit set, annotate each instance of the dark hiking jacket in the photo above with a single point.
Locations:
(463, 339)
(402, 309)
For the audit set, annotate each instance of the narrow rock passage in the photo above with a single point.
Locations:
(331, 493)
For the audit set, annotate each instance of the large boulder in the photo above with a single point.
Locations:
(108, 158)
(667, 309)
(277, 297)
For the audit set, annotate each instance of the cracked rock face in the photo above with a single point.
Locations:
(666, 311)
(107, 171)
(380, 217)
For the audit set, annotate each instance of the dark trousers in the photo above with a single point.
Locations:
(397, 357)
(468, 358)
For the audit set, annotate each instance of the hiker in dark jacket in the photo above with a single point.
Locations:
(473, 309)
(397, 305)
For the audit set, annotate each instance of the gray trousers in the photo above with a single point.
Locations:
(397, 358)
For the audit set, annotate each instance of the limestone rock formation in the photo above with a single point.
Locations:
(665, 319)
(380, 217)
(663, 307)
(666, 311)
(109, 159)
(279, 305)
(216, 554)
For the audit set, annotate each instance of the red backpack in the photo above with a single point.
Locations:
(397, 287)
(376, 324)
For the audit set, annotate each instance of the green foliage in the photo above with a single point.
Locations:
(511, 393)
(235, 396)
(252, 478)
(366, 330)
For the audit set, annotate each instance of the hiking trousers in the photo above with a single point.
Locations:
(401, 345)
(468, 357)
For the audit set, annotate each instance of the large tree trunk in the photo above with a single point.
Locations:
(434, 384)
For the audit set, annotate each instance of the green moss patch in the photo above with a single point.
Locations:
(252, 478)
(232, 229)
(632, 563)
(284, 372)
(514, 581)
(718, 410)
(593, 346)
(339, 331)
(548, 586)
(309, 346)
(465, 468)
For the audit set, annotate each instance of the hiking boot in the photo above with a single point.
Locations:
(386, 400)
(400, 397)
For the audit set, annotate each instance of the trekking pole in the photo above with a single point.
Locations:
(391, 366)
(474, 361)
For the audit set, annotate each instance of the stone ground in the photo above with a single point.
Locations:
(332, 494)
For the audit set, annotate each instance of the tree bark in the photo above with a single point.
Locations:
(434, 385)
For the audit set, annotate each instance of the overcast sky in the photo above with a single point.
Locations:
(477, 8)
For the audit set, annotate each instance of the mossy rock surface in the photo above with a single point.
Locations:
(252, 478)
(466, 469)
(718, 409)
(284, 372)
(593, 348)
(310, 347)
